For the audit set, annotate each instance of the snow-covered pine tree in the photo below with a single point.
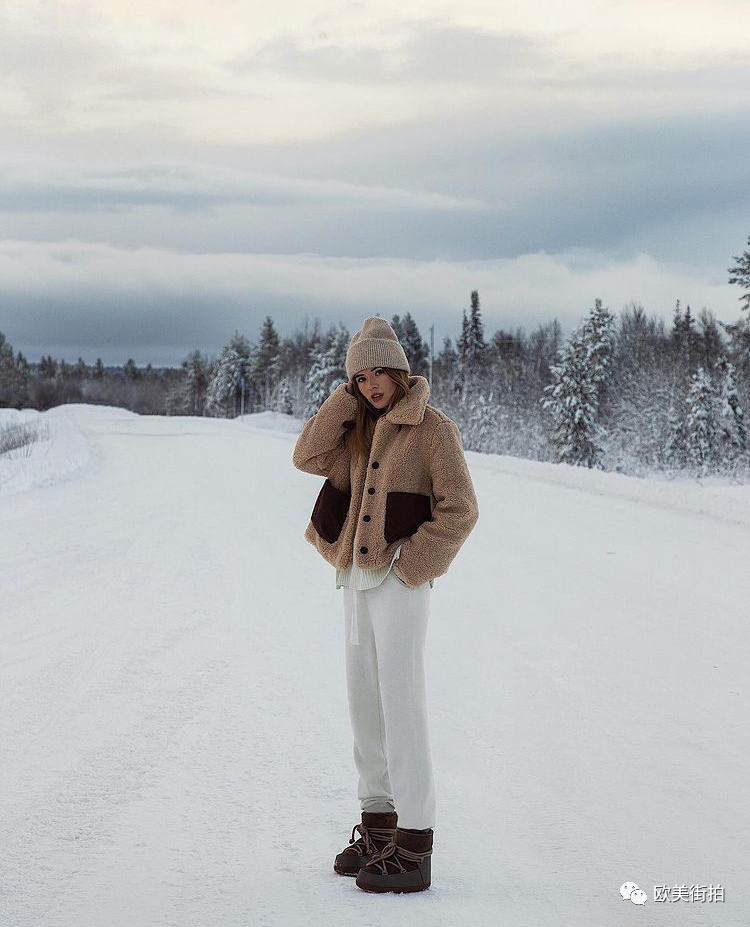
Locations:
(446, 362)
(684, 337)
(472, 350)
(476, 344)
(574, 397)
(702, 423)
(12, 386)
(481, 417)
(741, 274)
(175, 399)
(677, 450)
(460, 367)
(196, 383)
(222, 395)
(732, 442)
(416, 349)
(571, 401)
(327, 370)
(708, 338)
(599, 333)
(265, 363)
(284, 402)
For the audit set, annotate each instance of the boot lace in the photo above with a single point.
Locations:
(390, 855)
(365, 844)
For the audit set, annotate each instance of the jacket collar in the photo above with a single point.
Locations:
(410, 409)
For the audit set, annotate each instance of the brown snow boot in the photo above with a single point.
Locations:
(404, 865)
(376, 830)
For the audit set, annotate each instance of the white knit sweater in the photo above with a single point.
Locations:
(354, 577)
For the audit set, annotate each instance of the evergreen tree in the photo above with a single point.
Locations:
(129, 368)
(47, 366)
(709, 339)
(98, 369)
(481, 414)
(739, 342)
(196, 383)
(702, 423)
(741, 274)
(462, 358)
(284, 401)
(176, 399)
(416, 349)
(575, 395)
(471, 351)
(398, 327)
(599, 338)
(677, 324)
(265, 365)
(739, 332)
(224, 387)
(327, 370)
(12, 379)
(684, 336)
(732, 427)
(447, 355)
(677, 443)
(476, 344)
(571, 401)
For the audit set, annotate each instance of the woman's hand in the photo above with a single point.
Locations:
(349, 388)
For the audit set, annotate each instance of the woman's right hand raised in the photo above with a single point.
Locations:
(348, 388)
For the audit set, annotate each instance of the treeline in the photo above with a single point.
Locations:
(52, 382)
(626, 393)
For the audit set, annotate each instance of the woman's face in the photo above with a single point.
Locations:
(375, 385)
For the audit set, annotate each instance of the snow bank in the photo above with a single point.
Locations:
(62, 452)
(272, 421)
(716, 497)
(67, 451)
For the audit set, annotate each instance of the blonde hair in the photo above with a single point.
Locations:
(360, 436)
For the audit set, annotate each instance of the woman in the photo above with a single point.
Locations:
(396, 506)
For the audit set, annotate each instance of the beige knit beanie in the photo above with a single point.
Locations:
(376, 345)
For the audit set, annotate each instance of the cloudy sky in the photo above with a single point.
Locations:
(171, 171)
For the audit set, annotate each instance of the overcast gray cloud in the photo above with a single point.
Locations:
(76, 298)
(428, 51)
(156, 193)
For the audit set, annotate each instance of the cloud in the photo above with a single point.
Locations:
(446, 157)
(424, 51)
(39, 184)
(156, 305)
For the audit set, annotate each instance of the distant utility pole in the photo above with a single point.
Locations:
(432, 349)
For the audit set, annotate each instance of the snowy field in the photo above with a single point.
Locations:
(175, 736)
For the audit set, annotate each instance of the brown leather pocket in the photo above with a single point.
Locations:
(330, 511)
(404, 513)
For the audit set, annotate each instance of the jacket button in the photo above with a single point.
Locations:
(363, 550)
(375, 465)
(366, 518)
(371, 490)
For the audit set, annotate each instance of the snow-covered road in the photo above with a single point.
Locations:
(175, 737)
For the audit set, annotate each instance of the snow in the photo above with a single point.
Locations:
(176, 742)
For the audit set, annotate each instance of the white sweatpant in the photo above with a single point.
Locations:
(387, 699)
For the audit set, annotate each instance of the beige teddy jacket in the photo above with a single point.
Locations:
(414, 490)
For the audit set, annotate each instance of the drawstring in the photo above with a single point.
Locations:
(354, 625)
(354, 635)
